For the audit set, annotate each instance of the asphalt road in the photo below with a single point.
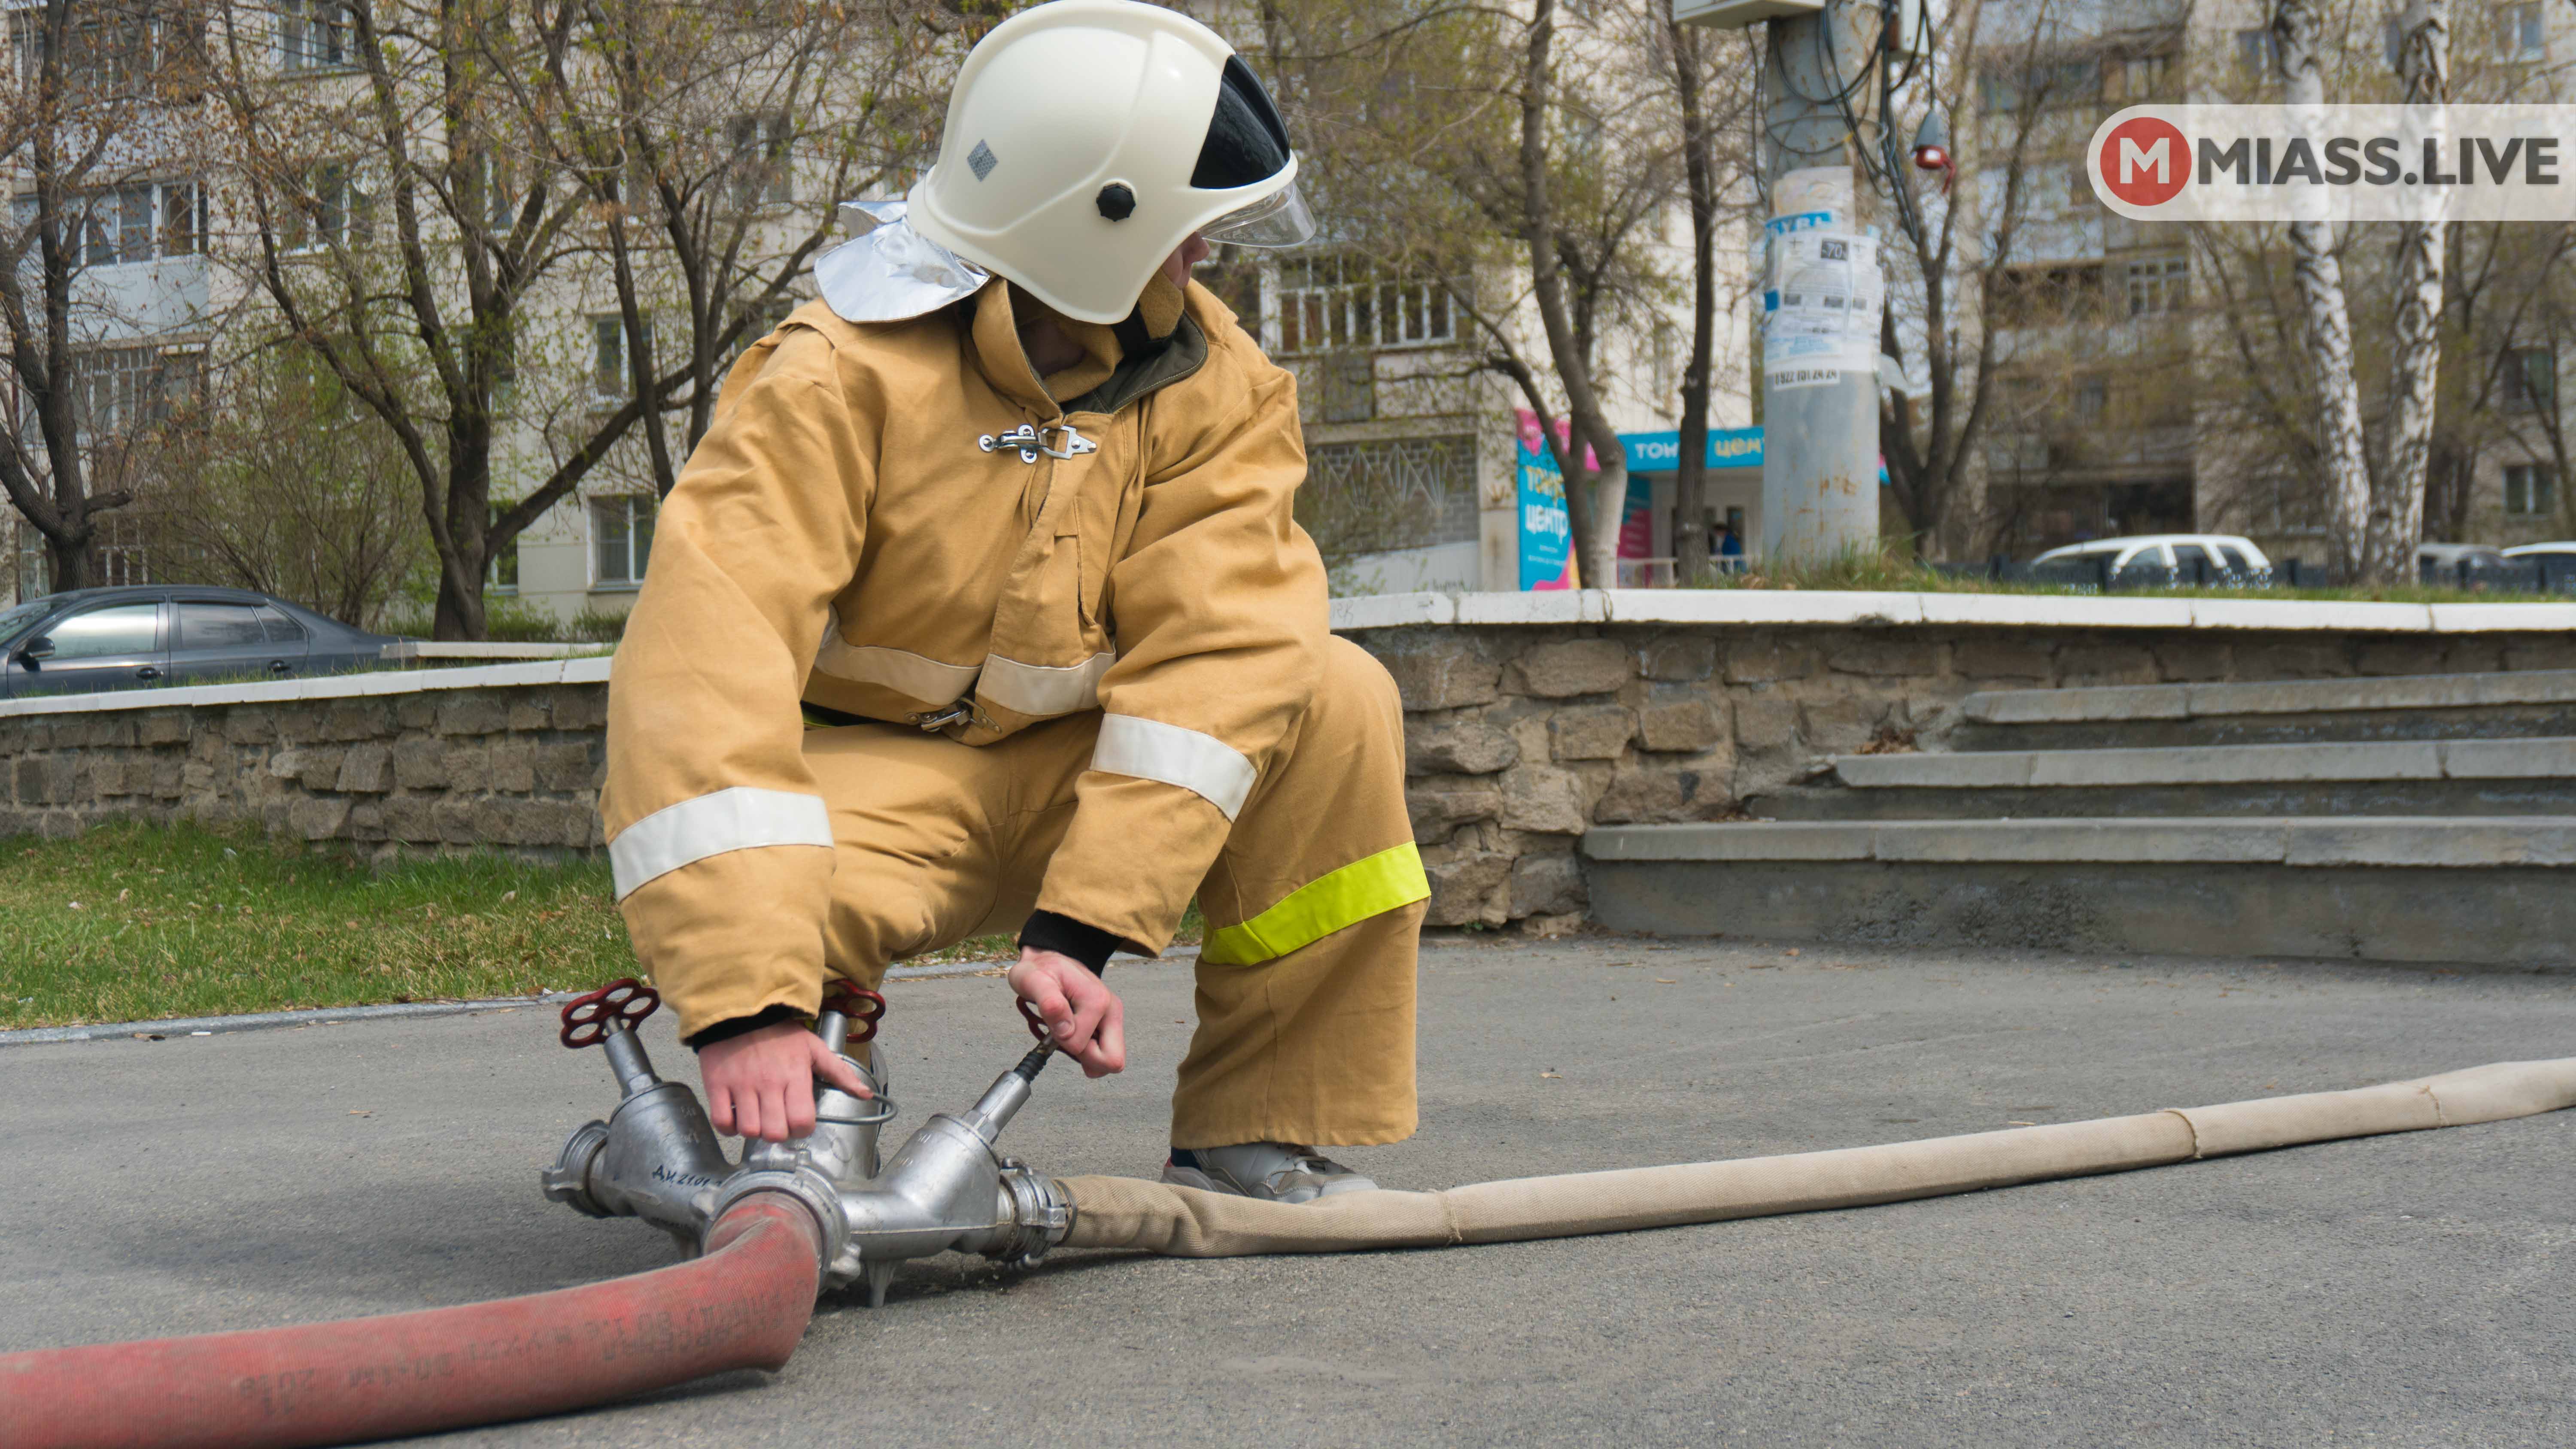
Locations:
(2410, 1290)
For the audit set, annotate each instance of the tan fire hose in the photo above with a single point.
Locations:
(1119, 1212)
(746, 1301)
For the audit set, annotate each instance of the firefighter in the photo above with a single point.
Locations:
(981, 608)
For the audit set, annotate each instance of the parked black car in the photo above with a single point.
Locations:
(145, 635)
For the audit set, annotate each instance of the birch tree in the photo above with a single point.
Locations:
(2396, 523)
(2342, 456)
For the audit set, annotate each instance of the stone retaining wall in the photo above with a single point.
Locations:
(1524, 737)
(1526, 730)
(517, 767)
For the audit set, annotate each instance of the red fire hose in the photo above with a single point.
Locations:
(742, 1305)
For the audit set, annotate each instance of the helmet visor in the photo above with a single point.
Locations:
(1246, 141)
(1277, 220)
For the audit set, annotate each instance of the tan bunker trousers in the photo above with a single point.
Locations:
(1313, 907)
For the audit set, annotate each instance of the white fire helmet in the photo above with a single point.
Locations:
(1087, 139)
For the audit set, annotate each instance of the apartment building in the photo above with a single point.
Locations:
(166, 290)
(2139, 387)
(1412, 442)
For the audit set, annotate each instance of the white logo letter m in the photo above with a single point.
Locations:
(2135, 158)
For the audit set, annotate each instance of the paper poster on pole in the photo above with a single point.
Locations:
(1820, 313)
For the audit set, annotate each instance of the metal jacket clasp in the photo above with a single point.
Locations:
(1030, 441)
(962, 712)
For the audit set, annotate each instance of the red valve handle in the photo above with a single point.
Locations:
(591, 1016)
(863, 1007)
(1037, 1023)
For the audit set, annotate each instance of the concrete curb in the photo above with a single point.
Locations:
(409, 1010)
(2111, 704)
(1846, 608)
(2321, 760)
(2414, 842)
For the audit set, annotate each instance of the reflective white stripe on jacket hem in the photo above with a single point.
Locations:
(1152, 750)
(1039, 689)
(915, 676)
(735, 819)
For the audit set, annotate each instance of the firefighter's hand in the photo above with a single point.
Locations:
(761, 1083)
(1087, 1019)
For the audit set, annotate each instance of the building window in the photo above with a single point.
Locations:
(500, 191)
(1341, 300)
(2258, 53)
(116, 390)
(137, 222)
(504, 572)
(621, 535)
(2530, 490)
(2003, 89)
(609, 380)
(2031, 296)
(760, 164)
(2137, 78)
(2092, 399)
(312, 35)
(1667, 358)
(2530, 379)
(2159, 286)
(2522, 34)
(108, 49)
(338, 210)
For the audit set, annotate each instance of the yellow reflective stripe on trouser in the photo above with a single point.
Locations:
(1317, 909)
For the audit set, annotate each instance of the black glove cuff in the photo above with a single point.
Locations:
(728, 1030)
(1090, 945)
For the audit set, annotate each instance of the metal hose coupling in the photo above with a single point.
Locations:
(946, 1189)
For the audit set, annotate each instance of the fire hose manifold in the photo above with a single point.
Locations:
(657, 1158)
(796, 1218)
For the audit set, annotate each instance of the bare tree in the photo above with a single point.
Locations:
(97, 91)
(711, 144)
(1708, 108)
(400, 227)
(1567, 308)
(288, 489)
(1958, 255)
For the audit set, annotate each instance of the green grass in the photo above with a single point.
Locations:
(136, 922)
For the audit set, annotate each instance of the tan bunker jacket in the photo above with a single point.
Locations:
(896, 521)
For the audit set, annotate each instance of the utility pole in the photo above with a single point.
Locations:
(1823, 288)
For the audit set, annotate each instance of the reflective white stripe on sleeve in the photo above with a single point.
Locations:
(1043, 690)
(915, 676)
(735, 819)
(1152, 750)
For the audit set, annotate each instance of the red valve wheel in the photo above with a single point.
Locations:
(863, 1007)
(1037, 1023)
(589, 1017)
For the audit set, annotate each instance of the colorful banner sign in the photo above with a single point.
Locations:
(1546, 531)
(1547, 538)
(1662, 452)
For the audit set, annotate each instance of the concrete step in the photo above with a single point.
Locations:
(2401, 707)
(2400, 777)
(2483, 797)
(2498, 892)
